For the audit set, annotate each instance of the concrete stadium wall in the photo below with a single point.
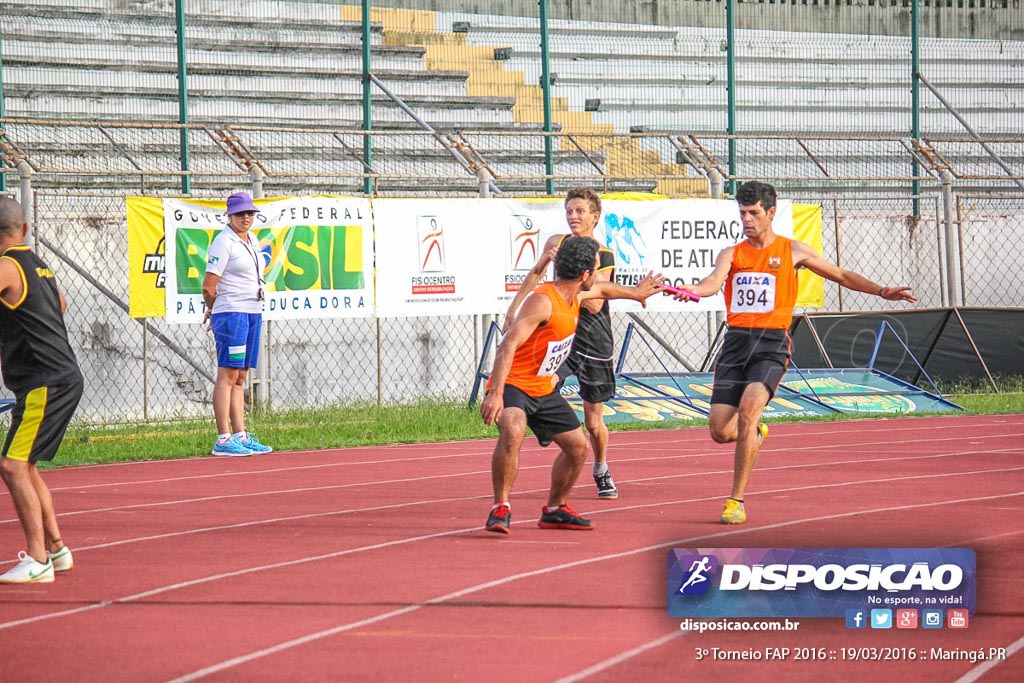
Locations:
(880, 17)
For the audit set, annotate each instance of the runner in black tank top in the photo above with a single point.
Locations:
(594, 332)
(34, 348)
(39, 366)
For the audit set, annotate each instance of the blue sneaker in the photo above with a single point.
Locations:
(253, 445)
(231, 447)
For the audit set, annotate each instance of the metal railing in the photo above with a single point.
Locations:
(141, 157)
(442, 67)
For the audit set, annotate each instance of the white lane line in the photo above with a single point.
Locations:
(280, 647)
(989, 664)
(393, 506)
(840, 484)
(829, 464)
(388, 482)
(619, 658)
(661, 444)
(226, 575)
(216, 577)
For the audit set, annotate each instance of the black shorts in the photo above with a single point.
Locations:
(547, 416)
(748, 356)
(39, 419)
(597, 377)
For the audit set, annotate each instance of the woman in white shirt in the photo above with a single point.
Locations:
(233, 293)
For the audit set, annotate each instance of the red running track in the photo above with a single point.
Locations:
(372, 563)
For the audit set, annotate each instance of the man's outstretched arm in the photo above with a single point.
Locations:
(804, 255)
(711, 284)
(646, 288)
(533, 278)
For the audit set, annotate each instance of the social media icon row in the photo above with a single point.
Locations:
(906, 618)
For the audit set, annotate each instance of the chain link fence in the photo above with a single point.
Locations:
(638, 100)
(881, 238)
(990, 227)
(149, 370)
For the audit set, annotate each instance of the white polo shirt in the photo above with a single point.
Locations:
(240, 267)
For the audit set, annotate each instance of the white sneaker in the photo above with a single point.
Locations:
(28, 570)
(62, 560)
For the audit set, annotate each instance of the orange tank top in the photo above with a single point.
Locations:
(536, 361)
(761, 289)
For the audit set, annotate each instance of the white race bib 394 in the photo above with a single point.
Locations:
(753, 293)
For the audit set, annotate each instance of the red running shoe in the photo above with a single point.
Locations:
(499, 519)
(563, 518)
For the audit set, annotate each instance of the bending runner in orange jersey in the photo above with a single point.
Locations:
(521, 391)
(593, 348)
(760, 281)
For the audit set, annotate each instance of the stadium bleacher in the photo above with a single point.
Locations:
(285, 64)
(674, 78)
(297, 65)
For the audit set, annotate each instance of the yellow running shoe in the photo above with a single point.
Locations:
(762, 433)
(733, 512)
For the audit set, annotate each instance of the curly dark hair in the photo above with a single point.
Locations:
(587, 194)
(576, 255)
(755, 191)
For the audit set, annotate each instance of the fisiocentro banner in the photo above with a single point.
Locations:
(452, 256)
(320, 256)
(432, 256)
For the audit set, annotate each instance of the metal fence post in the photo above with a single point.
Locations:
(482, 323)
(730, 70)
(716, 184)
(545, 68)
(950, 236)
(839, 246)
(186, 163)
(256, 175)
(369, 183)
(915, 98)
(261, 373)
(484, 178)
(27, 198)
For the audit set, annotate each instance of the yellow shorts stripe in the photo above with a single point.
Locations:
(28, 430)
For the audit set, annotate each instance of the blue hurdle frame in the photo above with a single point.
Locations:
(809, 395)
(481, 373)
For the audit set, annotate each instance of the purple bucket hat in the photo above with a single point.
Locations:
(240, 201)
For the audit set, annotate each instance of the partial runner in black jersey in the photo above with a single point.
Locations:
(41, 370)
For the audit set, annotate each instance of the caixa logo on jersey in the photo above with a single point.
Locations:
(816, 582)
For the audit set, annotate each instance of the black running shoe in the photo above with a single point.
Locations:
(499, 519)
(563, 518)
(606, 486)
